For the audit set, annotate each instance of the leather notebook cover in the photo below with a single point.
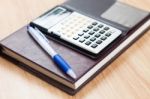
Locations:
(22, 44)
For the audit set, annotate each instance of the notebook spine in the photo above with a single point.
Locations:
(1, 48)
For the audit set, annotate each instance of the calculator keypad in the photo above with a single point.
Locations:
(86, 32)
(99, 30)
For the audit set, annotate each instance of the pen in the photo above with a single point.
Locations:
(40, 38)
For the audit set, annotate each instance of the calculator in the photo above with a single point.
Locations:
(78, 29)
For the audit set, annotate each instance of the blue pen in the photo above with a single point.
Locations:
(44, 43)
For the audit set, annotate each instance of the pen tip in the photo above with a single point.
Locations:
(71, 74)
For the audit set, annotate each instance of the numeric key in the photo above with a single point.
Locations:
(82, 40)
(94, 45)
(88, 43)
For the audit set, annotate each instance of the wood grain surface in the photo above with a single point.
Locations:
(128, 77)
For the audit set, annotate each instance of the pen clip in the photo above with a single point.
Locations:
(44, 37)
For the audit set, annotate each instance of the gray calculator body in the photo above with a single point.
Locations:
(78, 29)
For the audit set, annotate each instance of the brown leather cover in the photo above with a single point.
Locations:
(22, 44)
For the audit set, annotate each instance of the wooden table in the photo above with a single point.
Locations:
(128, 77)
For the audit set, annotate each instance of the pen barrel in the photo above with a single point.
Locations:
(61, 63)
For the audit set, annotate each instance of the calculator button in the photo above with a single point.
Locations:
(100, 26)
(102, 32)
(91, 33)
(90, 27)
(106, 28)
(108, 34)
(86, 30)
(94, 45)
(97, 35)
(94, 23)
(88, 43)
(82, 40)
(80, 34)
(96, 29)
(104, 38)
(87, 36)
(76, 38)
(99, 42)
(93, 39)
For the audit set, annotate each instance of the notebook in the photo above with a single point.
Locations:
(22, 50)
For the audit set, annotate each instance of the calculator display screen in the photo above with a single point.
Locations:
(52, 17)
(58, 11)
